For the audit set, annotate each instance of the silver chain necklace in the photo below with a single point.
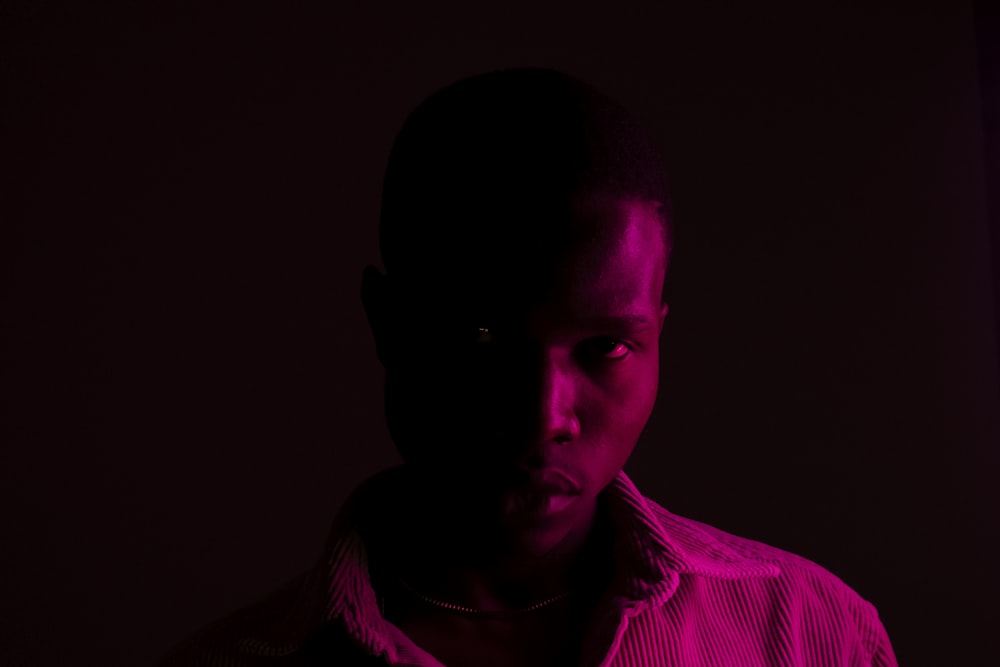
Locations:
(480, 613)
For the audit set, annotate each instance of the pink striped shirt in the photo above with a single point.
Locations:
(684, 594)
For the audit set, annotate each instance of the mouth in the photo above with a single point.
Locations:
(541, 493)
(552, 481)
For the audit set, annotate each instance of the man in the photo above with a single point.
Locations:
(525, 235)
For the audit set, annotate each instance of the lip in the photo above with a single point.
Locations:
(551, 481)
(541, 493)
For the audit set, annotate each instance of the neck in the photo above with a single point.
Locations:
(491, 570)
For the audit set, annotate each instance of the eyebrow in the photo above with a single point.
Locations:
(626, 321)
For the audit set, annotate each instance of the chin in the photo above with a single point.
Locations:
(536, 543)
(538, 530)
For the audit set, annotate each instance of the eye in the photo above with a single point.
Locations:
(478, 340)
(611, 349)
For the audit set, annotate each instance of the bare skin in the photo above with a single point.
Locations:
(560, 389)
(550, 636)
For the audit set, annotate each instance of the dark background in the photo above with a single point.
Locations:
(189, 389)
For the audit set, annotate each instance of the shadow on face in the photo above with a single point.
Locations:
(540, 357)
(525, 240)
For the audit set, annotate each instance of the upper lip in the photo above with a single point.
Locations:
(551, 480)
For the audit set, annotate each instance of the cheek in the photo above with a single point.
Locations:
(433, 411)
(646, 389)
(419, 402)
(613, 413)
(631, 393)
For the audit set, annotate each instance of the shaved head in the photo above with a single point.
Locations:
(489, 164)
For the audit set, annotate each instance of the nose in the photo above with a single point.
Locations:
(536, 407)
(554, 408)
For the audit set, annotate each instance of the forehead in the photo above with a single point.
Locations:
(592, 255)
(614, 259)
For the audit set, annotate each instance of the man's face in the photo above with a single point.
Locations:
(518, 390)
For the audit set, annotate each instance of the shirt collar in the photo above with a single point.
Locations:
(653, 548)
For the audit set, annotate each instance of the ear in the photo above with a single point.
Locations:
(375, 299)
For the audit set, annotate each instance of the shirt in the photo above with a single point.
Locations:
(683, 594)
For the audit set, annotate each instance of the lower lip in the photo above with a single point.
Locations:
(553, 504)
(540, 504)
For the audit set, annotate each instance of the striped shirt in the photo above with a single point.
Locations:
(684, 594)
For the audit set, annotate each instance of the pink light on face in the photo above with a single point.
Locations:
(546, 494)
(522, 429)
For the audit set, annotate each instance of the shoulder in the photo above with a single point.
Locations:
(303, 621)
(791, 570)
(702, 541)
(233, 640)
(816, 604)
